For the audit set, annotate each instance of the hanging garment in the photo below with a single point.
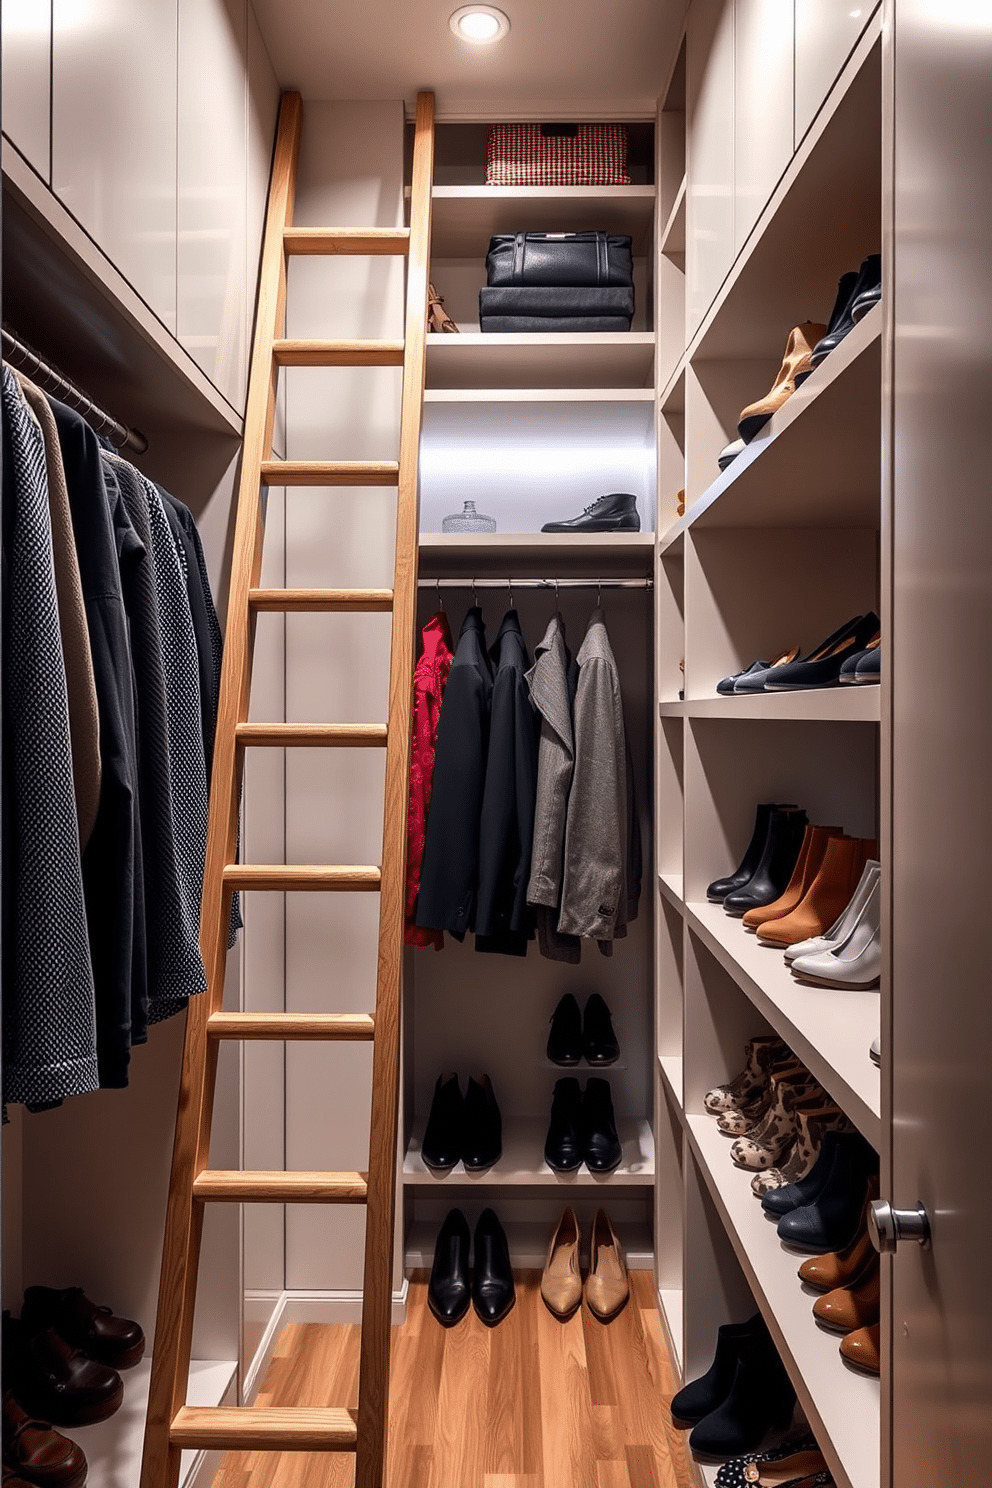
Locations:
(506, 829)
(552, 681)
(596, 896)
(450, 875)
(111, 861)
(84, 716)
(175, 968)
(430, 677)
(49, 1025)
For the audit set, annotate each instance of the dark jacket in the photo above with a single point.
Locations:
(504, 922)
(49, 1032)
(450, 877)
(113, 898)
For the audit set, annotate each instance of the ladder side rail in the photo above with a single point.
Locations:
(381, 1211)
(184, 1216)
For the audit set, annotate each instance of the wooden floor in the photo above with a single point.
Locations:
(532, 1403)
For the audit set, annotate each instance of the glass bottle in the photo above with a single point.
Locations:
(468, 520)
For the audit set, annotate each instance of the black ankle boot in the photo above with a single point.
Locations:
(761, 1399)
(599, 1041)
(492, 1277)
(601, 1144)
(867, 287)
(778, 859)
(721, 887)
(565, 1037)
(448, 1291)
(702, 1396)
(616, 512)
(831, 1220)
(442, 1144)
(482, 1140)
(563, 1147)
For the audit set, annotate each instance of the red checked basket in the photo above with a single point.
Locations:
(557, 155)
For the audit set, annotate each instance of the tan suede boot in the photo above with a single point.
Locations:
(798, 354)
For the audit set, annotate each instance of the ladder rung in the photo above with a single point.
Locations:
(330, 601)
(311, 735)
(232, 1186)
(308, 353)
(301, 876)
(265, 1429)
(374, 240)
(343, 1027)
(330, 472)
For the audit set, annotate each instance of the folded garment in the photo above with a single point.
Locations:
(496, 324)
(527, 299)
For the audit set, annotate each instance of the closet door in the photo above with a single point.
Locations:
(941, 1333)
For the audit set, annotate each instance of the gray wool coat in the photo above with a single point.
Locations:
(552, 681)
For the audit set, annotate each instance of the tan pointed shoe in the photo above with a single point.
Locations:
(807, 867)
(798, 358)
(607, 1287)
(561, 1280)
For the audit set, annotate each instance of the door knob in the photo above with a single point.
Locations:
(887, 1226)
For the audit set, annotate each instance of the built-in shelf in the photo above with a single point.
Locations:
(536, 554)
(522, 1164)
(476, 359)
(528, 1241)
(673, 233)
(670, 884)
(823, 704)
(113, 1447)
(540, 395)
(829, 1029)
(841, 1405)
(671, 1073)
(464, 218)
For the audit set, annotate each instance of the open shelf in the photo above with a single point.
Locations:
(860, 704)
(673, 233)
(671, 1074)
(829, 1029)
(842, 1406)
(464, 218)
(528, 1240)
(540, 395)
(476, 359)
(536, 554)
(522, 1164)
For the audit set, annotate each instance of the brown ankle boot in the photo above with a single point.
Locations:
(798, 354)
(828, 896)
(810, 858)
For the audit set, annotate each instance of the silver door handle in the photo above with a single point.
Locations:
(887, 1226)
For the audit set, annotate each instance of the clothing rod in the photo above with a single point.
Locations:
(51, 380)
(644, 583)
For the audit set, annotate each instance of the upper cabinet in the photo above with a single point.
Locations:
(27, 40)
(825, 37)
(763, 105)
(710, 152)
(114, 135)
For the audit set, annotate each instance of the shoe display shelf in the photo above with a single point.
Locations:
(778, 549)
(522, 1164)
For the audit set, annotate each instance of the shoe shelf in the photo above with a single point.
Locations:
(522, 1164)
(829, 1029)
(671, 1074)
(528, 1240)
(475, 359)
(670, 884)
(539, 395)
(860, 704)
(464, 218)
(536, 554)
(841, 1405)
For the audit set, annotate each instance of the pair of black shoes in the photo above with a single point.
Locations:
(465, 1128)
(768, 864)
(583, 1127)
(824, 1210)
(857, 293)
(491, 1290)
(743, 1395)
(575, 1036)
(61, 1357)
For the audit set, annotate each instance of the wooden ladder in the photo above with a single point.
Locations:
(171, 1424)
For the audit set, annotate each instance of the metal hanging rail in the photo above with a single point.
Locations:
(532, 583)
(51, 380)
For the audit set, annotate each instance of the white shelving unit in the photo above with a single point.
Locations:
(778, 549)
(522, 1164)
(557, 359)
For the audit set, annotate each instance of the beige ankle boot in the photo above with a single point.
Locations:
(798, 354)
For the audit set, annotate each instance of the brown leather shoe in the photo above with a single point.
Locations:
(849, 1308)
(32, 1451)
(58, 1383)
(798, 358)
(95, 1331)
(807, 867)
(843, 1268)
(561, 1280)
(863, 1349)
(12, 1480)
(827, 897)
(607, 1288)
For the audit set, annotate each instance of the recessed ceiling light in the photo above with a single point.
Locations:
(480, 24)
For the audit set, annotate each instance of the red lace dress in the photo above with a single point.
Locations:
(430, 677)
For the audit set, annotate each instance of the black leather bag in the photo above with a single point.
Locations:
(571, 258)
(545, 299)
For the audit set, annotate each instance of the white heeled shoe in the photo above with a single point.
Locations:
(857, 961)
(842, 927)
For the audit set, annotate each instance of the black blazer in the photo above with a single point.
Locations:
(450, 877)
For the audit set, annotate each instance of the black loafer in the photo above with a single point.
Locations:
(448, 1291)
(565, 1037)
(616, 512)
(493, 1294)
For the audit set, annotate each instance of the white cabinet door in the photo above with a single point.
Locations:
(114, 134)
(211, 257)
(27, 40)
(710, 152)
(825, 35)
(763, 105)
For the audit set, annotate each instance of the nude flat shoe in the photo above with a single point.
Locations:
(607, 1288)
(561, 1280)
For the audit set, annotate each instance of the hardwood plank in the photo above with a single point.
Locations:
(566, 1426)
(503, 1444)
(234, 1186)
(460, 1428)
(613, 1474)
